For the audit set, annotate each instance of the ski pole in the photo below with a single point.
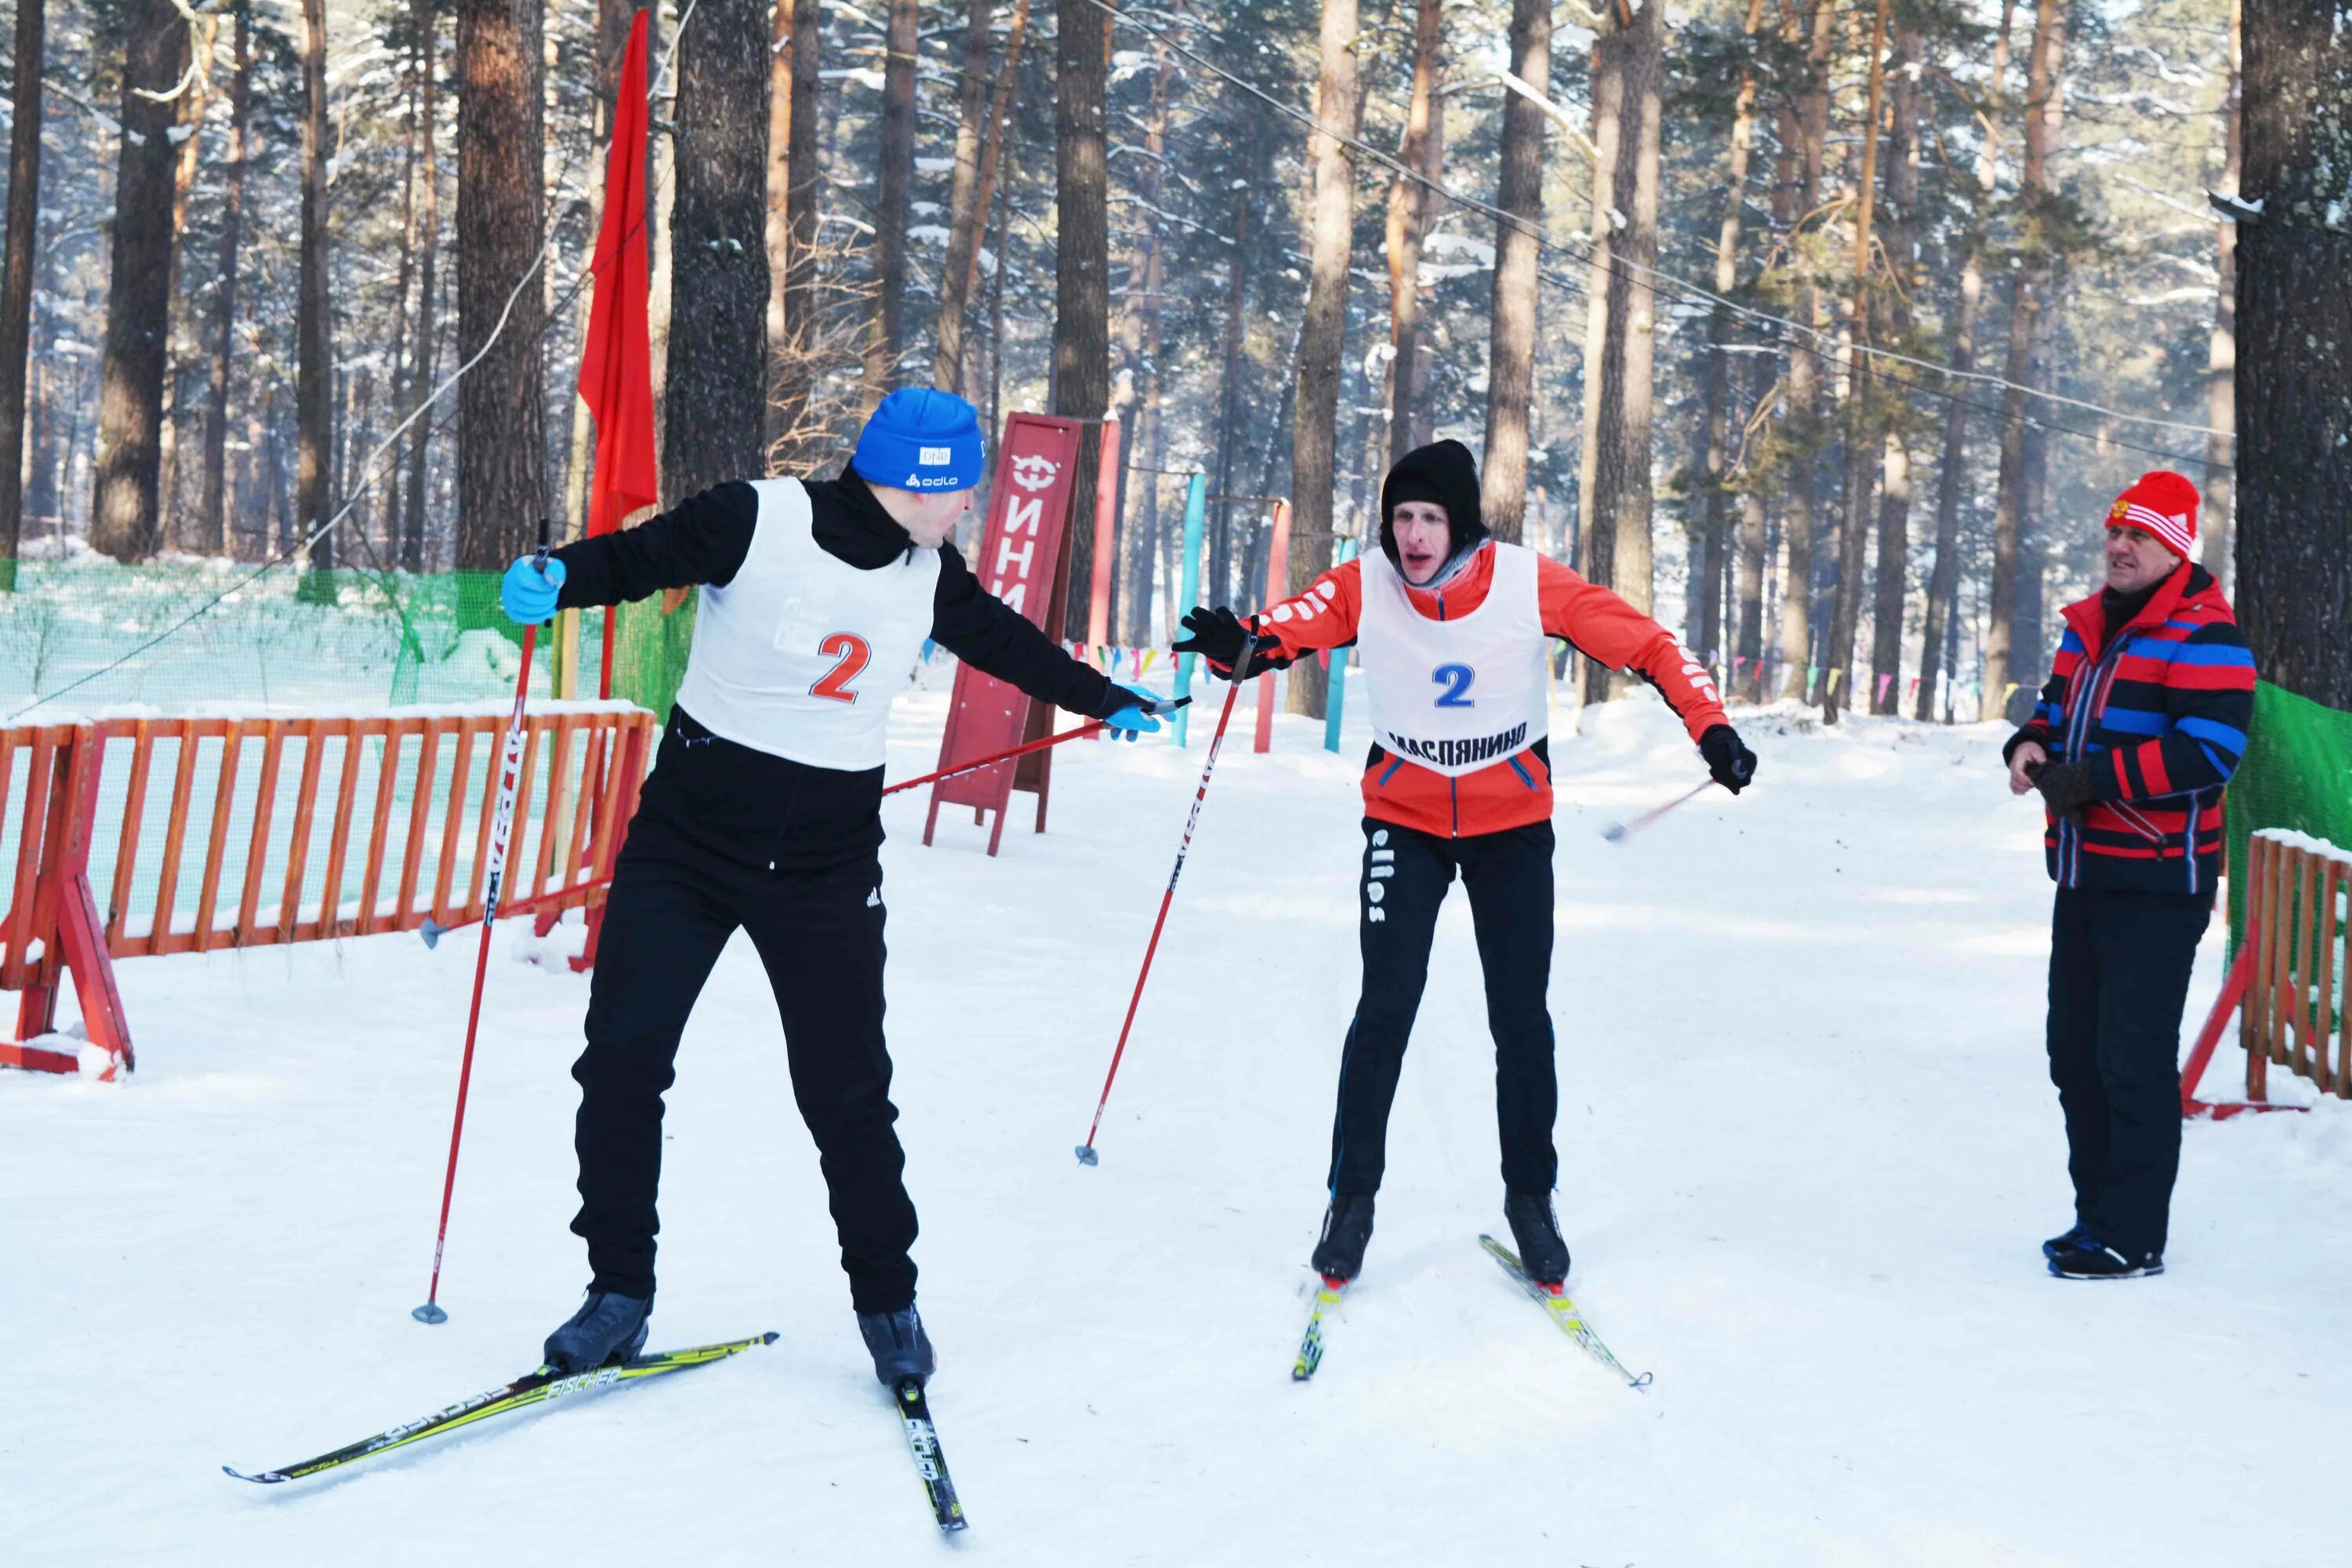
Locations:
(1618, 831)
(502, 827)
(1086, 1155)
(1091, 726)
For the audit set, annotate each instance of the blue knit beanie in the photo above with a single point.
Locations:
(918, 438)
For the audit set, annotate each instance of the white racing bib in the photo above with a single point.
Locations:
(1458, 695)
(800, 655)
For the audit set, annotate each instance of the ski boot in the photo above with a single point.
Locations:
(900, 1348)
(1346, 1227)
(1542, 1254)
(608, 1329)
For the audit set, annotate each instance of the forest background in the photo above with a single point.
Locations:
(1826, 332)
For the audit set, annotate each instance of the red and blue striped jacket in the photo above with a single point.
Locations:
(2160, 714)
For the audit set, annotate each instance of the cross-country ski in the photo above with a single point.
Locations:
(534, 1388)
(1555, 1301)
(1329, 1292)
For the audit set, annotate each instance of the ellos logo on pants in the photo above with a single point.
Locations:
(1381, 866)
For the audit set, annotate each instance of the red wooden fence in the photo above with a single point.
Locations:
(232, 832)
(2294, 1014)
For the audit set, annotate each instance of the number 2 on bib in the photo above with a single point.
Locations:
(1456, 679)
(854, 654)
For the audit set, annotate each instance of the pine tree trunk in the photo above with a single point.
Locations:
(1619, 515)
(1423, 153)
(1717, 495)
(45, 485)
(191, 103)
(964, 225)
(501, 402)
(2011, 661)
(16, 275)
(212, 519)
(314, 372)
(418, 495)
(894, 179)
(1904, 101)
(1511, 337)
(776, 233)
(1943, 586)
(123, 518)
(718, 350)
(1140, 331)
(1808, 129)
(1864, 435)
(796, 355)
(1217, 588)
(2222, 351)
(1599, 546)
(1081, 267)
(2295, 360)
(1314, 447)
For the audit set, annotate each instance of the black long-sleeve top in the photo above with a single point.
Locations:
(752, 805)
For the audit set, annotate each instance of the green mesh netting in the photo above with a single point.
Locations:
(74, 637)
(2296, 773)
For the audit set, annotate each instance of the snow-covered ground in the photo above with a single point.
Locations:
(1808, 1149)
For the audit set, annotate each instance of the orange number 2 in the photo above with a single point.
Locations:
(854, 654)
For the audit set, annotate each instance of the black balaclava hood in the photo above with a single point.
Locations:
(1442, 473)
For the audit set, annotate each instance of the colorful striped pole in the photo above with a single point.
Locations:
(1196, 504)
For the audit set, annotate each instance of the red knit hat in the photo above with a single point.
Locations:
(2163, 505)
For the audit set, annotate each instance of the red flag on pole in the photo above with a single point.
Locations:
(616, 365)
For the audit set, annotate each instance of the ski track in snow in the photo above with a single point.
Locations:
(1808, 1140)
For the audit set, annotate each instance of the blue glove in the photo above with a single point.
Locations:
(1139, 716)
(528, 594)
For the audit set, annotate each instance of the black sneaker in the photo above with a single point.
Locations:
(2074, 1235)
(1346, 1227)
(1543, 1256)
(900, 1348)
(608, 1329)
(2091, 1258)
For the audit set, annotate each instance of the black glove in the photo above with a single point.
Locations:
(1219, 637)
(1731, 763)
(2066, 785)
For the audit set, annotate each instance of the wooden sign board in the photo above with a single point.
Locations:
(1024, 560)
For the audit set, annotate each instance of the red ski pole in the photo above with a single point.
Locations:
(1092, 727)
(1086, 1155)
(1618, 831)
(501, 827)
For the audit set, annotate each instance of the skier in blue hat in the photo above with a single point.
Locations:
(763, 812)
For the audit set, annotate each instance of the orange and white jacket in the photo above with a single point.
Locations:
(1517, 790)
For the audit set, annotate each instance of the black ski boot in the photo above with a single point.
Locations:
(1542, 1254)
(2074, 1237)
(2091, 1258)
(1347, 1227)
(608, 1329)
(900, 1348)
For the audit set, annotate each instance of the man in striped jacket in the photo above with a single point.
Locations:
(2139, 727)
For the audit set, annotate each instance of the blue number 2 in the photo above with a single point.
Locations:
(1456, 679)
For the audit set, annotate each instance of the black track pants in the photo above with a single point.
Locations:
(1406, 875)
(2119, 966)
(819, 935)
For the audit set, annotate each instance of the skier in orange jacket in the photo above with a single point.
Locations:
(1454, 628)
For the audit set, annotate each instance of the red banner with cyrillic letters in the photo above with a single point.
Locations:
(1021, 560)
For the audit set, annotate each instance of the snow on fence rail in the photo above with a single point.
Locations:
(233, 830)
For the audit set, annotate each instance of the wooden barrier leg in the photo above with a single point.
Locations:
(84, 935)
